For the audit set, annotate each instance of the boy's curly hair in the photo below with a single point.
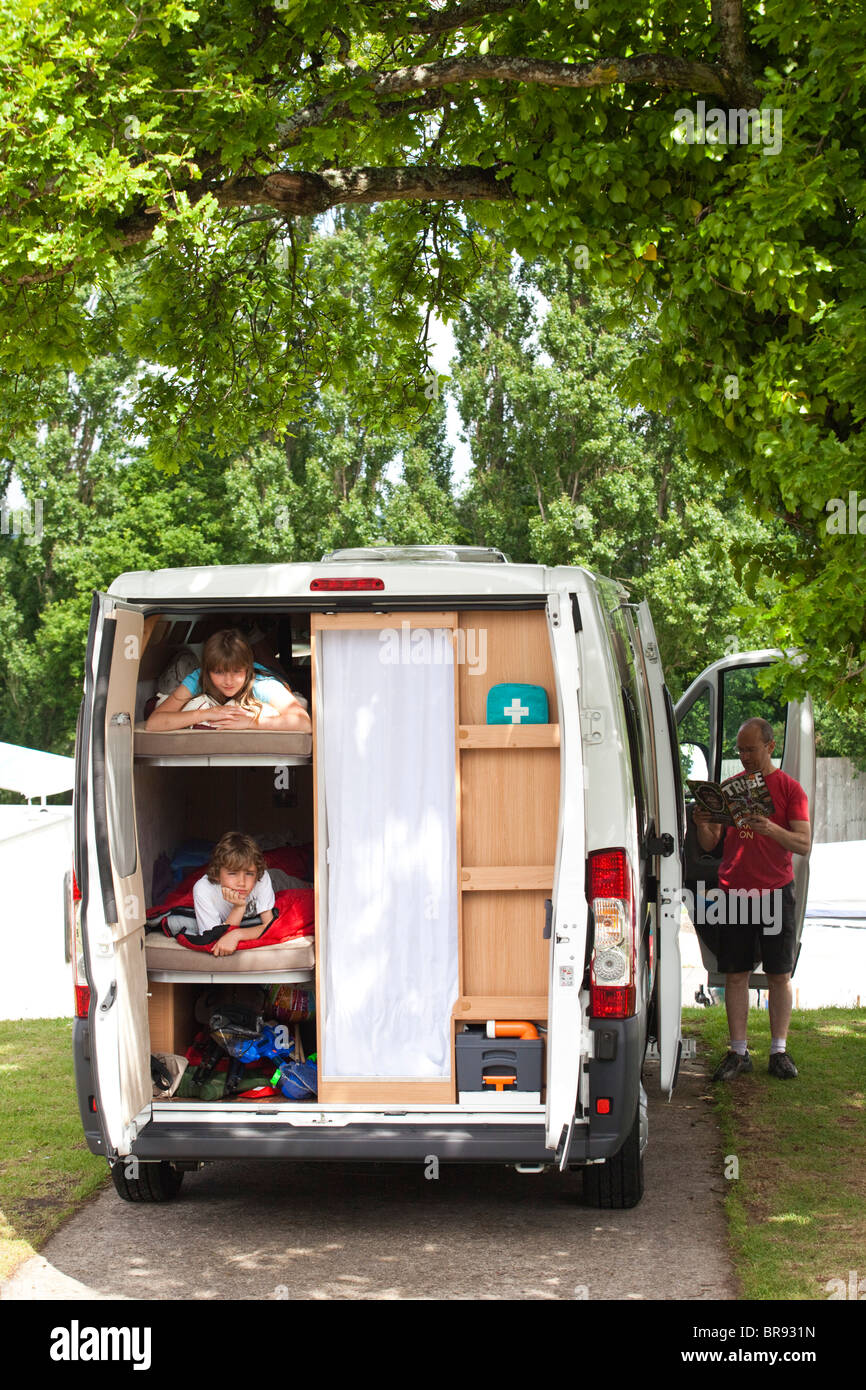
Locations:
(235, 851)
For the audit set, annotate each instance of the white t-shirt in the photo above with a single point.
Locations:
(211, 908)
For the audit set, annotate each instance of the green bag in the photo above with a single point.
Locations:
(516, 704)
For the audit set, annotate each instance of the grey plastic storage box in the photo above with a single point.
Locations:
(498, 1067)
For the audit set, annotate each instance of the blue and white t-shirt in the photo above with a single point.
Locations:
(262, 684)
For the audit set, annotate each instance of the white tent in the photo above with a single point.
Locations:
(34, 774)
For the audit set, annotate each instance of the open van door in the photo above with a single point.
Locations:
(567, 1035)
(666, 848)
(113, 904)
(709, 715)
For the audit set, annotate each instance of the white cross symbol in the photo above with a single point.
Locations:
(515, 710)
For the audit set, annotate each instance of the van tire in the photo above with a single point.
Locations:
(618, 1182)
(154, 1182)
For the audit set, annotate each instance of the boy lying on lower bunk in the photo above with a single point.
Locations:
(236, 886)
(236, 903)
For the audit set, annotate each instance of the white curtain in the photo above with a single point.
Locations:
(391, 972)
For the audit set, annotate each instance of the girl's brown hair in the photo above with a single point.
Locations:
(235, 851)
(229, 650)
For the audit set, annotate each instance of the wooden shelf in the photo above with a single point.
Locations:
(491, 878)
(528, 1008)
(507, 736)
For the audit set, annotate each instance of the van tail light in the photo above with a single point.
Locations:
(79, 978)
(344, 585)
(612, 967)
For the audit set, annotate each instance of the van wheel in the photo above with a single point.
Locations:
(145, 1182)
(618, 1182)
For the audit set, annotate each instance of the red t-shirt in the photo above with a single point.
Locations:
(756, 861)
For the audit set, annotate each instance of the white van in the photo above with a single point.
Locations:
(496, 894)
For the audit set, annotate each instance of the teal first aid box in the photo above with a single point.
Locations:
(516, 704)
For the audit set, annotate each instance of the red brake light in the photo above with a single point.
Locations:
(76, 891)
(82, 1001)
(612, 968)
(608, 874)
(317, 585)
(615, 1001)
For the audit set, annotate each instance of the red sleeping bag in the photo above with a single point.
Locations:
(295, 907)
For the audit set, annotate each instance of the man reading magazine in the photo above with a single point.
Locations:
(757, 855)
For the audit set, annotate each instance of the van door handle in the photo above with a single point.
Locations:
(109, 998)
(548, 918)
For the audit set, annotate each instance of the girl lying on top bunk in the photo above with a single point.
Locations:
(233, 690)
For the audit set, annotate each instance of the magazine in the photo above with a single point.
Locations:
(731, 802)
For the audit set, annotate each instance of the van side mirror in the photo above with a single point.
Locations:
(694, 760)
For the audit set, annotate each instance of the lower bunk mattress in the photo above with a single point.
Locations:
(165, 953)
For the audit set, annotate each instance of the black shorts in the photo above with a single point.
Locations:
(755, 931)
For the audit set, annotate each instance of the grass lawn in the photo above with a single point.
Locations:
(797, 1211)
(46, 1169)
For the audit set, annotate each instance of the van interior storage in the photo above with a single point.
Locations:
(430, 871)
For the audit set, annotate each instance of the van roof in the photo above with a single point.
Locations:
(435, 554)
(405, 577)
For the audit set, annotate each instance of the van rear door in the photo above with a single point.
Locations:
(114, 906)
(667, 847)
(567, 1041)
(709, 716)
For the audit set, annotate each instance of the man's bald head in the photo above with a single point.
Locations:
(755, 744)
(761, 726)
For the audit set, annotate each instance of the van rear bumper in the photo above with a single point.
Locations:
(377, 1142)
(371, 1142)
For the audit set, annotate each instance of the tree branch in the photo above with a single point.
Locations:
(656, 69)
(727, 17)
(306, 194)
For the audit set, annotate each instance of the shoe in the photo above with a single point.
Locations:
(732, 1065)
(782, 1066)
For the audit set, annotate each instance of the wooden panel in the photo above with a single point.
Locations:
(504, 950)
(386, 1090)
(170, 1016)
(508, 736)
(323, 622)
(501, 1006)
(507, 878)
(498, 647)
(510, 806)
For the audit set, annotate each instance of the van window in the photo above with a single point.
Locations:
(742, 699)
(694, 739)
(623, 640)
(119, 798)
